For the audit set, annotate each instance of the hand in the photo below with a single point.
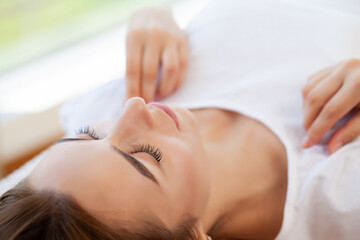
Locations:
(327, 97)
(154, 40)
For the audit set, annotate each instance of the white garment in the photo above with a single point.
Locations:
(253, 57)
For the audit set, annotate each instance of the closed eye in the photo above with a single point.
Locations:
(146, 148)
(88, 131)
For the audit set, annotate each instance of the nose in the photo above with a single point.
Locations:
(135, 115)
(135, 109)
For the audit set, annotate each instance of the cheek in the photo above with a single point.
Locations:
(198, 162)
(190, 178)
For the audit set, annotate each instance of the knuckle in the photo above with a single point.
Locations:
(132, 90)
(183, 62)
(165, 92)
(148, 92)
(353, 62)
(131, 72)
(171, 68)
(154, 34)
(315, 134)
(169, 38)
(305, 90)
(132, 63)
(312, 98)
(350, 136)
(347, 139)
(328, 114)
(150, 64)
(178, 39)
(135, 35)
(183, 39)
(150, 74)
(162, 93)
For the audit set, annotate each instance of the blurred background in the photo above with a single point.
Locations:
(53, 50)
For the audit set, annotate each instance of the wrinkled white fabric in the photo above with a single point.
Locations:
(253, 57)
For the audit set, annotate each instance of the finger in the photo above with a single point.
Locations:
(314, 79)
(321, 74)
(320, 95)
(183, 64)
(346, 133)
(134, 48)
(170, 70)
(150, 70)
(341, 103)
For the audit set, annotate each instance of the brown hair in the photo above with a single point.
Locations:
(26, 213)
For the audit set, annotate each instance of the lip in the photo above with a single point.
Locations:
(167, 110)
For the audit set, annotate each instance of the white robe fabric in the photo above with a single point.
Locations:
(253, 57)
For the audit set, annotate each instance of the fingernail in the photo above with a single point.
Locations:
(338, 145)
(304, 142)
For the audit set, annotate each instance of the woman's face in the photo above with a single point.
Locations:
(114, 182)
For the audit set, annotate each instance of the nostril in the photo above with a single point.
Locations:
(135, 113)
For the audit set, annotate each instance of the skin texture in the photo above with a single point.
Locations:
(104, 182)
(328, 96)
(210, 169)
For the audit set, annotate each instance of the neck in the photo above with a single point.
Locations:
(247, 180)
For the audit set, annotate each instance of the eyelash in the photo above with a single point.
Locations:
(88, 131)
(147, 148)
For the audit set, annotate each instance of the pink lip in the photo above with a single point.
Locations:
(167, 110)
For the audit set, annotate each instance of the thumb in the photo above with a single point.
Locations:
(346, 133)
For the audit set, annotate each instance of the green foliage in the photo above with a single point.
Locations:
(31, 28)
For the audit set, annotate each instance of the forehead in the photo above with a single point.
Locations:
(94, 174)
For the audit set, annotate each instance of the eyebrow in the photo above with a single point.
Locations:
(133, 161)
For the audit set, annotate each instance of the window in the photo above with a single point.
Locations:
(32, 28)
